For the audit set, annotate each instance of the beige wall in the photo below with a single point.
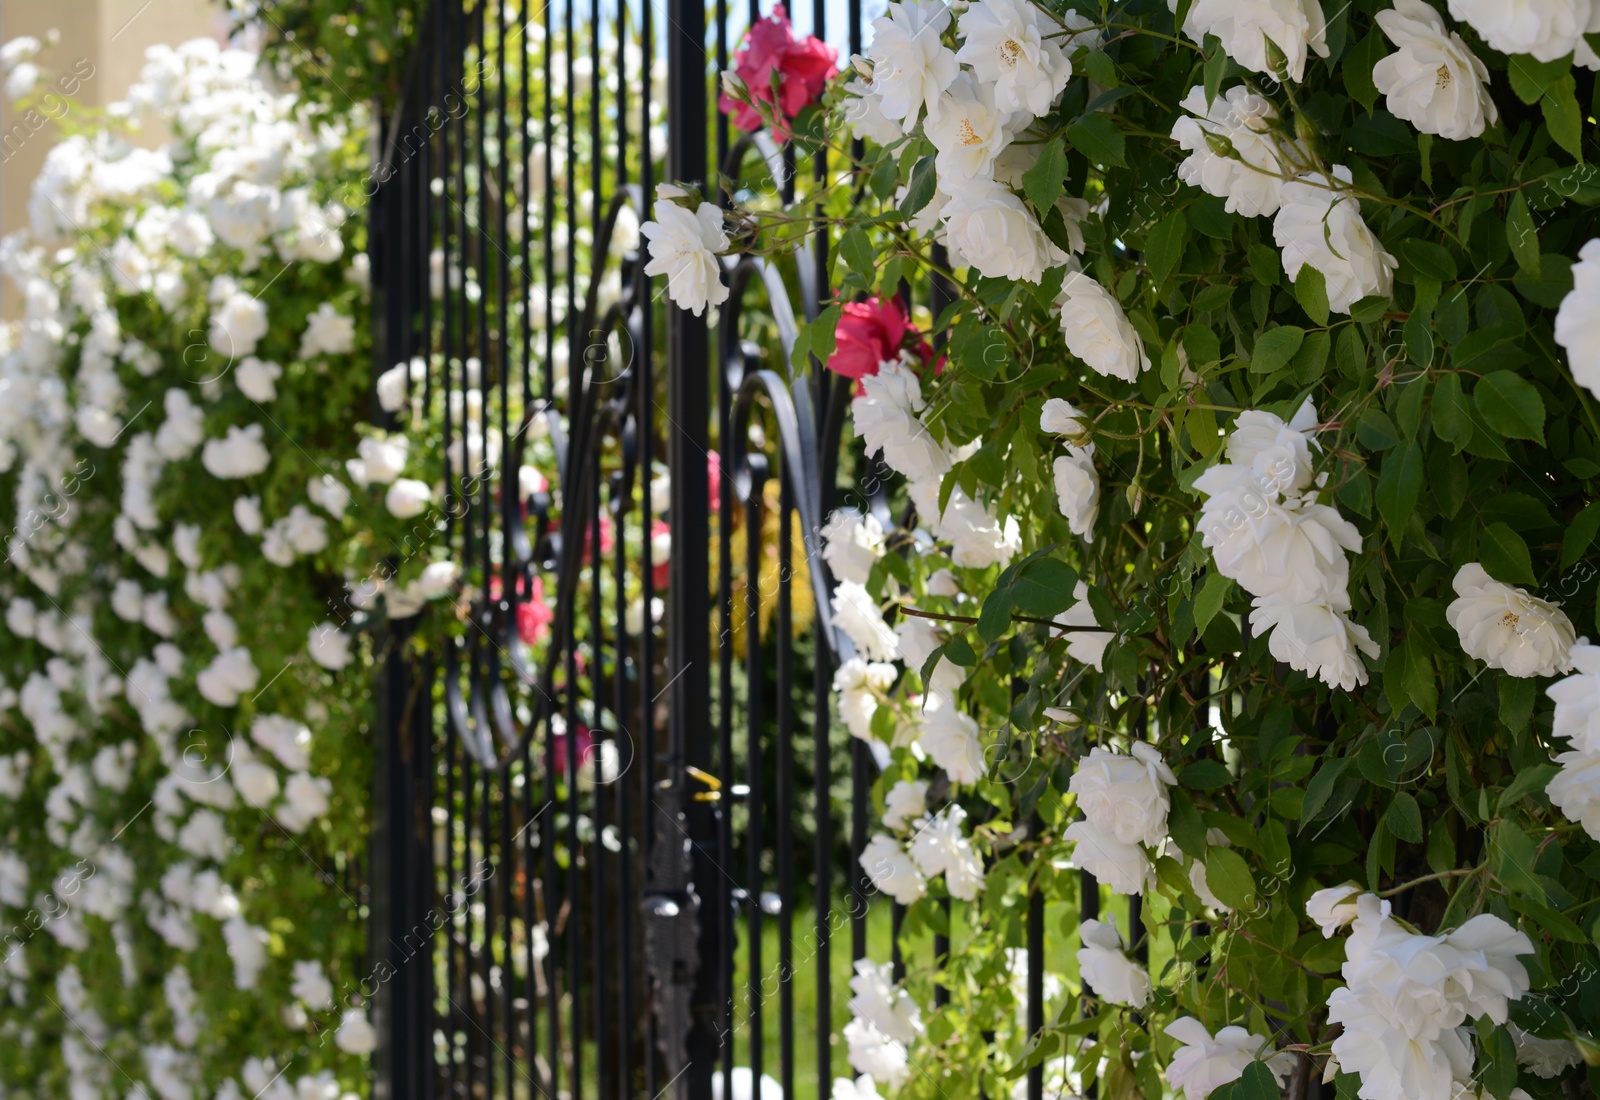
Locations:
(105, 37)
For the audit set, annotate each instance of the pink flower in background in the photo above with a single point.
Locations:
(585, 747)
(714, 479)
(771, 54)
(534, 615)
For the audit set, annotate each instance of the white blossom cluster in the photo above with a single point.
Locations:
(1575, 789)
(1266, 529)
(1408, 998)
(115, 645)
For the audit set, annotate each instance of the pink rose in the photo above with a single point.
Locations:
(869, 333)
(534, 615)
(771, 54)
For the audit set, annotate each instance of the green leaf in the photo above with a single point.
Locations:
(1356, 68)
(995, 618)
(1209, 600)
(1042, 183)
(1408, 677)
(1399, 485)
(856, 251)
(1311, 291)
(1516, 702)
(1580, 535)
(1510, 405)
(1522, 235)
(1532, 79)
(1275, 348)
(1505, 555)
(1164, 246)
(1205, 775)
(958, 651)
(1424, 258)
(1320, 789)
(1186, 827)
(1404, 818)
(800, 353)
(1530, 780)
(919, 191)
(1563, 115)
(1452, 419)
(1098, 138)
(825, 332)
(1257, 1083)
(1216, 67)
(1499, 1057)
(1264, 264)
(1044, 588)
(1229, 878)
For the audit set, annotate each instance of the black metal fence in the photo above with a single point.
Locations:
(617, 858)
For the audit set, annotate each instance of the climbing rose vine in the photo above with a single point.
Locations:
(1219, 522)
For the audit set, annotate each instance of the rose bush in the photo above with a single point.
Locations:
(1246, 553)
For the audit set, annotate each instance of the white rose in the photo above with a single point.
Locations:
(950, 738)
(355, 1034)
(230, 674)
(1278, 454)
(329, 646)
(437, 579)
(1097, 330)
(1012, 47)
(1575, 789)
(990, 230)
(978, 537)
(1547, 29)
(968, 131)
(1316, 637)
(247, 514)
(407, 497)
(1508, 628)
(1547, 1058)
(1434, 81)
(239, 454)
(256, 378)
(1203, 1063)
(1085, 645)
(1319, 223)
(1294, 554)
(891, 870)
(861, 686)
(910, 65)
(1125, 795)
(237, 325)
(1078, 490)
(1250, 182)
(881, 1003)
(1060, 417)
(328, 332)
(683, 247)
(856, 613)
(256, 782)
(883, 414)
(328, 493)
(1245, 26)
(1577, 700)
(863, 113)
(906, 801)
(851, 544)
(311, 985)
(874, 1054)
(1124, 868)
(382, 460)
(1111, 974)
(305, 531)
(1333, 908)
(305, 798)
(1578, 319)
(940, 847)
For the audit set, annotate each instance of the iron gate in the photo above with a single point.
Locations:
(588, 840)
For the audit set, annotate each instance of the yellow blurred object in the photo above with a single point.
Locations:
(803, 608)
